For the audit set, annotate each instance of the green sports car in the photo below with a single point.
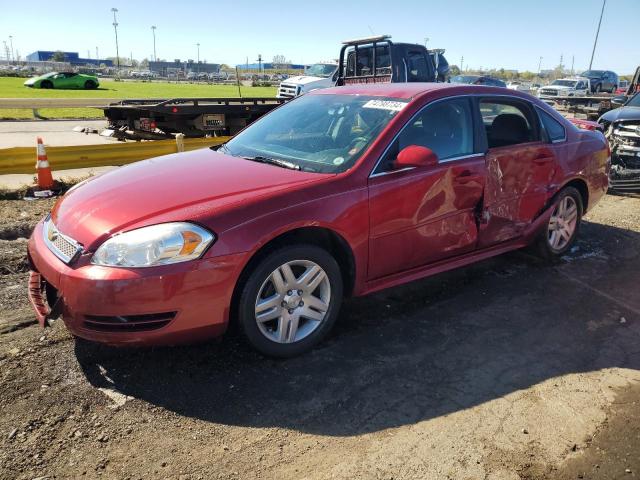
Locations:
(63, 80)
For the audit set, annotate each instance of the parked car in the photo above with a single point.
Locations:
(478, 80)
(64, 80)
(566, 87)
(622, 129)
(318, 75)
(519, 86)
(343, 191)
(602, 80)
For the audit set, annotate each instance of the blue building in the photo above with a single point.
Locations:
(71, 57)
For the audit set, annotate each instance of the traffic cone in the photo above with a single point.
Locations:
(45, 179)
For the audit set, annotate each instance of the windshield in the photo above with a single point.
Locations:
(592, 73)
(320, 70)
(634, 102)
(318, 133)
(464, 79)
(564, 83)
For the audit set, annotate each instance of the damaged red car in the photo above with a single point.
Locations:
(343, 191)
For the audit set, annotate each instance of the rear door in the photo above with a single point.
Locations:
(421, 215)
(519, 168)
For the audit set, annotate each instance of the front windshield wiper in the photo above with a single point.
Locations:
(274, 161)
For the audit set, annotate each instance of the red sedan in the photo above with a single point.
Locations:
(343, 191)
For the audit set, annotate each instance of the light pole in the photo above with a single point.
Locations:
(595, 42)
(115, 28)
(539, 65)
(97, 56)
(153, 29)
(198, 64)
(13, 58)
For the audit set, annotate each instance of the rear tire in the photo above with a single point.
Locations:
(561, 232)
(90, 85)
(290, 300)
(598, 88)
(46, 84)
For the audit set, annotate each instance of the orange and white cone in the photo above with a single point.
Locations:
(45, 179)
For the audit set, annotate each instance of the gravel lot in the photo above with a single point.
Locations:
(508, 369)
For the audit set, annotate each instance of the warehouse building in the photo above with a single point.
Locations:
(71, 57)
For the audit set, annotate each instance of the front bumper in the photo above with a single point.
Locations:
(164, 305)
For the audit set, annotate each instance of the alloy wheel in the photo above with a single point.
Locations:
(293, 301)
(562, 224)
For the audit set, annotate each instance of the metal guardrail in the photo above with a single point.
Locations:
(23, 159)
(37, 103)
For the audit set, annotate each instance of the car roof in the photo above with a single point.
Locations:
(411, 90)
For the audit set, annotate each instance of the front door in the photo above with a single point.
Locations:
(421, 215)
(519, 165)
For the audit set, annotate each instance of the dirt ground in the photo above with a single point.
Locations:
(508, 369)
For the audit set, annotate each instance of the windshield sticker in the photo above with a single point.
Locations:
(385, 105)
(338, 161)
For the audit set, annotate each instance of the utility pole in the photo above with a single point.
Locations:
(115, 28)
(426, 40)
(595, 42)
(539, 65)
(259, 64)
(6, 50)
(573, 58)
(461, 63)
(97, 55)
(153, 29)
(13, 58)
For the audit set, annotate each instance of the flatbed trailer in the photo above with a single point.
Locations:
(156, 119)
(591, 106)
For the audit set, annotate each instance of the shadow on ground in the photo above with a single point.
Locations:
(411, 353)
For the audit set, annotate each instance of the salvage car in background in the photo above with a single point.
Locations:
(622, 129)
(602, 80)
(566, 87)
(64, 80)
(478, 80)
(343, 191)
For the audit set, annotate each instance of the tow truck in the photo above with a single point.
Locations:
(365, 60)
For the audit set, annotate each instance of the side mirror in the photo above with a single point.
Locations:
(415, 156)
(619, 99)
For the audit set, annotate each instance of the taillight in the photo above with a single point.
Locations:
(153, 125)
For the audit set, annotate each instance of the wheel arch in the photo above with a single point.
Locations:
(581, 185)
(322, 237)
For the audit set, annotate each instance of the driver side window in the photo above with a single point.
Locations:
(446, 127)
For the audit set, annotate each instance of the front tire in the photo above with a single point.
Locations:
(290, 300)
(563, 226)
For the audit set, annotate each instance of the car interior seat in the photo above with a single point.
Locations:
(508, 129)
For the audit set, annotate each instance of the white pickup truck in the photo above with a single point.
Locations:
(318, 75)
(566, 87)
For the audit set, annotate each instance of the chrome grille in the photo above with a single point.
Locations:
(287, 90)
(63, 247)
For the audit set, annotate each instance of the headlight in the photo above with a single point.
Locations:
(155, 245)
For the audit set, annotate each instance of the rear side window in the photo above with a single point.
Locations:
(555, 130)
(507, 123)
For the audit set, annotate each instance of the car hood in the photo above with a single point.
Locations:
(557, 87)
(195, 186)
(31, 81)
(622, 113)
(303, 79)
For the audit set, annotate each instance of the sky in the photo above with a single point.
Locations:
(512, 34)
